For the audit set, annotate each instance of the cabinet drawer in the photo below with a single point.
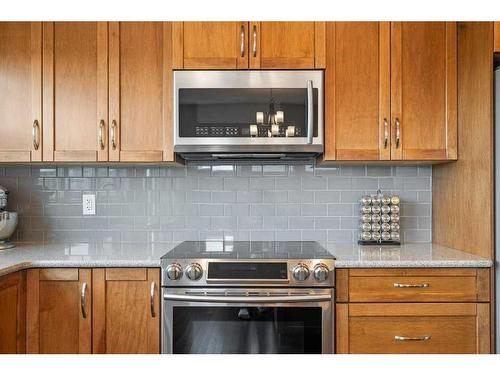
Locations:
(417, 285)
(424, 328)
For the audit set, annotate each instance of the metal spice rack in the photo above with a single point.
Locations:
(379, 217)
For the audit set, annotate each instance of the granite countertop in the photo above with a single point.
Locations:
(138, 254)
(407, 255)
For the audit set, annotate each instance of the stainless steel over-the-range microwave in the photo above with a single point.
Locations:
(248, 114)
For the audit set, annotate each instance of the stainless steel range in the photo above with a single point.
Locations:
(248, 297)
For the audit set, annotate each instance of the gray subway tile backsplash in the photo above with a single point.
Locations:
(232, 202)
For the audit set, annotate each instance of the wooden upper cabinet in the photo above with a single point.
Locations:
(59, 311)
(13, 313)
(424, 90)
(497, 37)
(357, 96)
(126, 310)
(210, 45)
(20, 91)
(287, 45)
(140, 92)
(75, 88)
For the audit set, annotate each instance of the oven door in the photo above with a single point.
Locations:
(248, 111)
(237, 321)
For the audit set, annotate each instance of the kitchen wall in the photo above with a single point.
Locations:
(244, 202)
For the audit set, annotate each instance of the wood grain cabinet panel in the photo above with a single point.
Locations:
(59, 311)
(210, 45)
(13, 313)
(75, 88)
(357, 96)
(140, 89)
(424, 90)
(287, 45)
(418, 285)
(126, 310)
(423, 328)
(497, 37)
(20, 91)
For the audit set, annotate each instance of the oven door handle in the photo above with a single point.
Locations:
(248, 299)
(310, 112)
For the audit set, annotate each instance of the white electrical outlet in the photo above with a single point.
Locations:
(88, 204)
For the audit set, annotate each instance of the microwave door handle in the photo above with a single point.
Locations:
(246, 299)
(310, 112)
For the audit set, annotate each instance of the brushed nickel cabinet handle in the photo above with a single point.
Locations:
(386, 133)
(35, 132)
(412, 338)
(101, 134)
(242, 41)
(113, 134)
(83, 300)
(152, 295)
(398, 131)
(421, 285)
(254, 41)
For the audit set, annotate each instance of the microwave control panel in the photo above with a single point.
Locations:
(260, 131)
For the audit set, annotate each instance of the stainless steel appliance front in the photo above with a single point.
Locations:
(248, 112)
(244, 321)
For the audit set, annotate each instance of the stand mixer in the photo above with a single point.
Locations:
(8, 221)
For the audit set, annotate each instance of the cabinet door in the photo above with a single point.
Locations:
(59, 311)
(422, 328)
(140, 92)
(126, 310)
(13, 313)
(20, 91)
(75, 88)
(287, 45)
(210, 45)
(357, 91)
(424, 90)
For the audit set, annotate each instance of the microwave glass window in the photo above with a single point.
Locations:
(229, 112)
(247, 330)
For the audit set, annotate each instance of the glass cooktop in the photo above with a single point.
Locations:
(248, 250)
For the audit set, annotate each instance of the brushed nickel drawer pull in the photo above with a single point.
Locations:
(113, 134)
(412, 338)
(36, 134)
(421, 285)
(152, 295)
(83, 300)
(101, 134)
(386, 133)
(398, 131)
(242, 42)
(254, 41)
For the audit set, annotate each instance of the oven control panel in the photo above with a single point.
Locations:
(224, 272)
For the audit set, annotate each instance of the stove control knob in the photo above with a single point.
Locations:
(174, 271)
(194, 271)
(300, 272)
(321, 272)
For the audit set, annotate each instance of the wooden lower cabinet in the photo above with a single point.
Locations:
(71, 310)
(419, 285)
(13, 313)
(421, 328)
(126, 310)
(413, 310)
(59, 311)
